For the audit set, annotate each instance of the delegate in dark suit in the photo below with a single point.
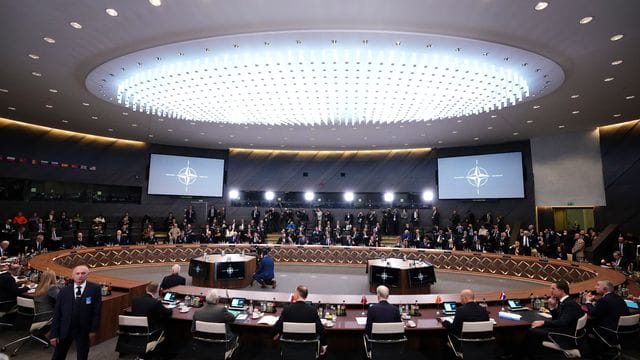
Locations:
(9, 289)
(214, 313)
(469, 312)
(382, 312)
(564, 319)
(172, 280)
(76, 317)
(301, 312)
(606, 312)
(146, 305)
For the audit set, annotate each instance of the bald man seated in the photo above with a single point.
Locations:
(172, 280)
(469, 311)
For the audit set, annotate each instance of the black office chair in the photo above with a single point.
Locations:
(135, 337)
(475, 342)
(7, 307)
(386, 341)
(37, 324)
(627, 325)
(210, 341)
(568, 344)
(299, 341)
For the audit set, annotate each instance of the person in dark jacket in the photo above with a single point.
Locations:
(265, 273)
(382, 312)
(172, 280)
(301, 312)
(605, 313)
(151, 307)
(76, 316)
(469, 311)
(9, 289)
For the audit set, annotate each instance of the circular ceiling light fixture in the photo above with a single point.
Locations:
(316, 78)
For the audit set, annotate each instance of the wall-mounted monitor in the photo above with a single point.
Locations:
(381, 275)
(493, 176)
(185, 175)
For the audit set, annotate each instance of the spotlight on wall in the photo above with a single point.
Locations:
(348, 196)
(388, 196)
(234, 194)
(309, 195)
(427, 195)
(269, 195)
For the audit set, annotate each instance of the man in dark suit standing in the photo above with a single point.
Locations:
(382, 312)
(301, 312)
(605, 313)
(565, 314)
(76, 316)
(172, 280)
(469, 311)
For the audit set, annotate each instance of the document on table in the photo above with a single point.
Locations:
(361, 320)
(268, 320)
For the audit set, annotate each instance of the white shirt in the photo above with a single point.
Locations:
(75, 288)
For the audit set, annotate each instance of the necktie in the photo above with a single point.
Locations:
(621, 248)
(78, 291)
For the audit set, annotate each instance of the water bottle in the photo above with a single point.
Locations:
(536, 304)
(187, 300)
(250, 308)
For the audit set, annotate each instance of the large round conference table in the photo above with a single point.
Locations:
(540, 272)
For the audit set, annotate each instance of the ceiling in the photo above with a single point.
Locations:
(57, 84)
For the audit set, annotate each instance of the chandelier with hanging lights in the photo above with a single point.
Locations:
(315, 78)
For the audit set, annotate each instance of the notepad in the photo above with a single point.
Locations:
(508, 315)
(361, 320)
(268, 320)
(545, 315)
(242, 316)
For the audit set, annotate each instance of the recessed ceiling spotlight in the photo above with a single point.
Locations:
(125, 113)
(617, 115)
(219, 142)
(150, 135)
(11, 108)
(64, 121)
(85, 104)
(439, 141)
(155, 2)
(161, 119)
(94, 117)
(454, 132)
(574, 112)
(75, 25)
(560, 126)
(4, 91)
(34, 56)
(134, 125)
(630, 97)
(35, 73)
(476, 138)
(53, 91)
(586, 20)
(616, 62)
(459, 121)
(529, 121)
(575, 96)
(111, 12)
(536, 106)
(49, 40)
(110, 129)
(516, 133)
(494, 116)
(170, 130)
(616, 37)
(608, 79)
(541, 5)
(490, 128)
(186, 139)
(48, 106)
(202, 133)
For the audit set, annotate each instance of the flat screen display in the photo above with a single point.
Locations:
(199, 269)
(385, 276)
(229, 270)
(421, 276)
(492, 176)
(185, 175)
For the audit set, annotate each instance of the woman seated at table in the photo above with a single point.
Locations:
(45, 296)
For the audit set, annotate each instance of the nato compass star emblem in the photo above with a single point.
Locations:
(187, 176)
(420, 276)
(477, 177)
(197, 269)
(230, 271)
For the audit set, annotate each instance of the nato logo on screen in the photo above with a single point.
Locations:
(183, 175)
(481, 177)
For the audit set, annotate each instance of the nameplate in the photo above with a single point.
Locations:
(232, 245)
(179, 245)
(543, 260)
(124, 247)
(477, 254)
(325, 247)
(506, 256)
(422, 250)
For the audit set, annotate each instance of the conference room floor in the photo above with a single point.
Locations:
(322, 279)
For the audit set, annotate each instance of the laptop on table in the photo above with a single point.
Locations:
(449, 308)
(514, 305)
(170, 298)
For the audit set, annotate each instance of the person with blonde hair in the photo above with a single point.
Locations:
(46, 294)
